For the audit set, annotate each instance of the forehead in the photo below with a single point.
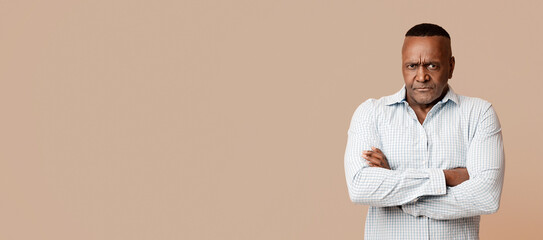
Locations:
(427, 47)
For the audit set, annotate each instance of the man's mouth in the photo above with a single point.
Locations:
(423, 89)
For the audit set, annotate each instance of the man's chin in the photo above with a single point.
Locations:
(422, 98)
(423, 101)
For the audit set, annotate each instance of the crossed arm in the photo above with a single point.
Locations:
(435, 193)
(376, 158)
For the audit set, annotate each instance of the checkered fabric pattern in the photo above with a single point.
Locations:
(411, 201)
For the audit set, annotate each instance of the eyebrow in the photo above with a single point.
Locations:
(423, 63)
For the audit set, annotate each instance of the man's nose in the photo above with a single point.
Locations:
(422, 75)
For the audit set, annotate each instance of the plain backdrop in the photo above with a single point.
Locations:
(217, 119)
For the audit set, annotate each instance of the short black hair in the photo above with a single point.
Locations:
(427, 30)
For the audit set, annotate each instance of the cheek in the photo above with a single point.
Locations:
(441, 77)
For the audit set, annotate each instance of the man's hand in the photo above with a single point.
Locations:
(376, 158)
(455, 176)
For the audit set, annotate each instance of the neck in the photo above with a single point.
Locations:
(421, 110)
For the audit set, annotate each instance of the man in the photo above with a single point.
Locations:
(429, 162)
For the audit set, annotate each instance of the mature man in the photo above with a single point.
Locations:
(429, 162)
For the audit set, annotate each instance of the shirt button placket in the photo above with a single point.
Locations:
(426, 150)
(423, 146)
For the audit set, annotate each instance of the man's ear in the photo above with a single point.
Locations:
(451, 67)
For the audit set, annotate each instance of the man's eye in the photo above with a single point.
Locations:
(432, 66)
(411, 66)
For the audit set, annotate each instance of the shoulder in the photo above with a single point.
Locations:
(372, 105)
(474, 104)
(479, 112)
(372, 108)
(365, 110)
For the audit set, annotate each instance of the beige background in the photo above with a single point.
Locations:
(228, 119)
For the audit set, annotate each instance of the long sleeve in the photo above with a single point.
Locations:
(481, 193)
(377, 186)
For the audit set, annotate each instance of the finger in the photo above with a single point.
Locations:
(374, 161)
(377, 155)
(367, 155)
(377, 150)
(367, 152)
(374, 165)
(375, 158)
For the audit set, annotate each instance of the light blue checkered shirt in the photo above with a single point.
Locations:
(411, 201)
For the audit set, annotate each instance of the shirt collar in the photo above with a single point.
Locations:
(399, 97)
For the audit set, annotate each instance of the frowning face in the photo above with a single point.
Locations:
(427, 65)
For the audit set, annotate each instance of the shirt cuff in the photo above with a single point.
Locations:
(437, 185)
